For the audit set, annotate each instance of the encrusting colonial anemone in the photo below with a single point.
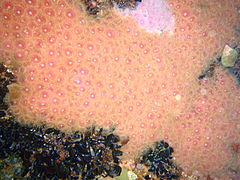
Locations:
(139, 75)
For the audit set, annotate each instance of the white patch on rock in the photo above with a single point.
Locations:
(154, 16)
(229, 56)
(132, 175)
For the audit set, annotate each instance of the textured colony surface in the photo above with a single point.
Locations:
(74, 71)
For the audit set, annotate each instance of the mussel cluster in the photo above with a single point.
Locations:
(47, 153)
(160, 162)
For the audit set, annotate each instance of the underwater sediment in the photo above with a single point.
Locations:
(74, 70)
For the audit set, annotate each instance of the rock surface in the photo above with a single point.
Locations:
(74, 71)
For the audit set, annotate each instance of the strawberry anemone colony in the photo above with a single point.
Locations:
(133, 69)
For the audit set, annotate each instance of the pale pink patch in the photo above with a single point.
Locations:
(152, 15)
